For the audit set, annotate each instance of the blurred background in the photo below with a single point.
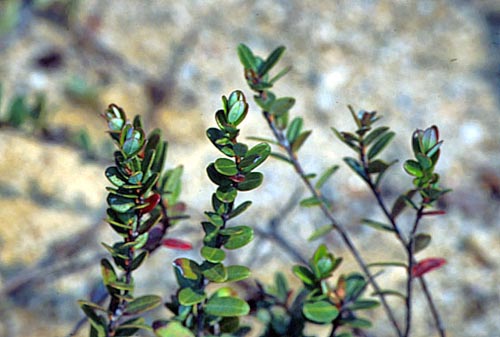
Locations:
(417, 63)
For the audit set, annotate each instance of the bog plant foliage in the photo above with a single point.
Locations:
(143, 204)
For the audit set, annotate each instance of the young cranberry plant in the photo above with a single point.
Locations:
(144, 204)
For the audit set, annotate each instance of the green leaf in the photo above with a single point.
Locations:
(421, 241)
(320, 232)
(239, 209)
(355, 284)
(300, 140)
(143, 304)
(215, 272)
(173, 329)
(18, 112)
(226, 167)
(226, 194)
(387, 264)
(377, 225)
(360, 323)
(310, 202)
(119, 203)
(325, 176)
(252, 180)
(293, 130)
(189, 296)
(304, 274)
(364, 304)
(281, 157)
(246, 57)
(271, 61)
(227, 307)
(389, 292)
(108, 272)
(374, 134)
(237, 273)
(281, 106)
(380, 144)
(356, 167)
(413, 168)
(115, 177)
(122, 285)
(97, 321)
(237, 112)
(400, 203)
(214, 255)
(254, 157)
(188, 268)
(237, 236)
(320, 312)
(138, 260)
(216, 177)
(280, 75)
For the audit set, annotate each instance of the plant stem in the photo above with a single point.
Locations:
(423, 284)
(335, 224)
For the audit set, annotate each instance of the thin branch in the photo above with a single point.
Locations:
(335, 224)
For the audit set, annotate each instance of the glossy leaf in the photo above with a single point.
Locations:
(304, 274)
(178, 244)
(237, 236)
(226, 194)
(115, 177)
(254, 157)
(320, 312)
(227, 307)
(187, 268)
(247, 58)
(214, 255)
(237, 112)
(356, 167)
(374, 134)
(188, 296)
(413, 168)
(239, 209)
(271, 61)
(364, 304)
(226, 167)
(310, 202)
(380, 144)
(138, 260)
(252, 180)
(143, 304)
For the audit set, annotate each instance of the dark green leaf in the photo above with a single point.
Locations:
(216, 177)
(304, 274)
(254, 157)
(355, 284)
(227, 307)
(143, 304)
(214, 255)
(237, 273)
(271, 61)
(300, 140)
(252, 180)
(325, 176)
(356, 167)
(400, 203)
(189, 296)
(281, 106)
(226, 167)
(115, 177)
(237, 236)
(226, 194)
(380, 144)
(97, 321)
(377, 225)
(421, 241)
(320, 312)
(239, 209)
(364, 304)
(374, 134)
(119, 203)
(138, 260)
(246, 57)
(360, 323)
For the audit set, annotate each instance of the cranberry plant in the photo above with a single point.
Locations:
(144, 204)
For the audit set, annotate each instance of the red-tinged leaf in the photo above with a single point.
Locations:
(427, 265)
(238, 178)
(177, 244)
(151, 203)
